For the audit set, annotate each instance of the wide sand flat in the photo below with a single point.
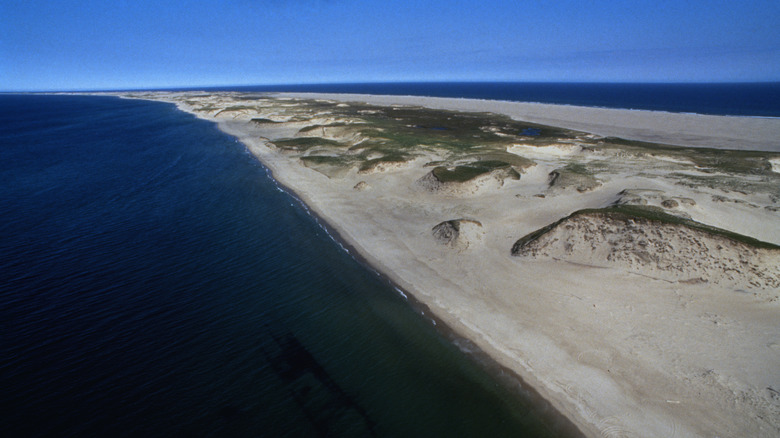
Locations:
(618, 350)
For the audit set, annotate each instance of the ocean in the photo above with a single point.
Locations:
(155, 281)
(740, 99)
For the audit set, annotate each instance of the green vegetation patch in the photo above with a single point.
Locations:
(470, 171)
(312, 128)
(577, 169)
(514, 160)
(657, 214)
(326, 159)
(707, 159)
(204, 108)
(400, 132)
(304, 143)
(260, 120)
(408, 127)
(396, 158)
(574, 175)
(732, 183)
(235, 108)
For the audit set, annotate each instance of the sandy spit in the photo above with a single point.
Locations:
(721, 132)
(619, 354)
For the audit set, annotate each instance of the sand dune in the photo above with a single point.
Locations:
(459, 233)
(672, 252)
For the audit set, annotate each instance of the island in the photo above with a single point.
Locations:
(625, 264)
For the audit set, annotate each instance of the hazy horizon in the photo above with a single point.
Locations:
(91, 45)
(316, 84)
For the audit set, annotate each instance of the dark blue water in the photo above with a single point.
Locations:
(743, 99)
(155, 282)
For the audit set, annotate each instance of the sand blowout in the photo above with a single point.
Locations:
(466, 179)
(458, 233)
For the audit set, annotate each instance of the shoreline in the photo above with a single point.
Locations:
(570, 371)
(485, 355)
(501, 373)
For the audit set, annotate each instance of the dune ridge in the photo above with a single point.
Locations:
(668, 251)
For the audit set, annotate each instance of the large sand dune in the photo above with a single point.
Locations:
(663, 250)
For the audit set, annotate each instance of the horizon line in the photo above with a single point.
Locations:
(314, 84)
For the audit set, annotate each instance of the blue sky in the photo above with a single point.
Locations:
(90, 44)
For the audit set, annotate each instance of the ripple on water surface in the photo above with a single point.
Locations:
(155, 282)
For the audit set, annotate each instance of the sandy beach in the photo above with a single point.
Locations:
(670, 332)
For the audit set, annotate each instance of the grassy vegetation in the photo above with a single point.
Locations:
(325, 159)
(313, 128)
(303, 144)
(532, 236)
(649, 213)
(707, 159)
(657, 214)
(577, 168)
(462, 142)
(514, 160)
(206, 108)
(396, 158)
(235, 108)
(458, 132)
(254, 97)
(389, 134)
(732, 183)
(574, 175)
(470, 171)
